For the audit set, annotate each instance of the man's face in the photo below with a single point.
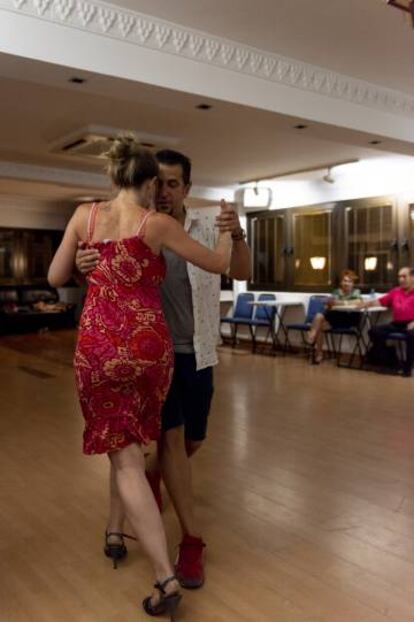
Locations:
(404, 278)
(172, 190)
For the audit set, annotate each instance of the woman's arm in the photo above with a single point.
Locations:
(240, 262)
(165, 231)
(332, 299)
(61, 268)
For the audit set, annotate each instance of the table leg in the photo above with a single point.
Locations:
(282, 328)
(272, 314)
(360, 346)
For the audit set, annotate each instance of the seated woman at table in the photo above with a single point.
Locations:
(346, 295)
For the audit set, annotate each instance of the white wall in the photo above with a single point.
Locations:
(368, 178)
(27, 212)
(388, 175)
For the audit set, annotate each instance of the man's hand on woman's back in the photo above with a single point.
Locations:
(86, 258)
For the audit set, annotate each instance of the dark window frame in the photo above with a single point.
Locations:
(402, 229)
(25, 251)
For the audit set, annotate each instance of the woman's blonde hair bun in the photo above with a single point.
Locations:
(129, 164)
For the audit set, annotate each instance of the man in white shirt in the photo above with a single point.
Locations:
(191, 299)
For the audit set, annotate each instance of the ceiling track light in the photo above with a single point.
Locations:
(257, 197)
(329, 178)
(310, 169)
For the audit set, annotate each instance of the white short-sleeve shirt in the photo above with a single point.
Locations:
(205, 287)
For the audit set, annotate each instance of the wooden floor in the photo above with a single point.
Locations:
(305, 495)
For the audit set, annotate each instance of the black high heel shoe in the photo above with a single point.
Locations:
(315, 357)
(116, 551)
(168, 603)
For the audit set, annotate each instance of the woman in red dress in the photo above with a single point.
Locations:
(124, 357)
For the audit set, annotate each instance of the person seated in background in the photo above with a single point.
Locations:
(345, 295)
(400, 301)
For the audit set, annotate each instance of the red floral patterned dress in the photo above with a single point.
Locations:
(124, 355)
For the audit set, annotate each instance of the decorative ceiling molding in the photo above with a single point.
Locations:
(106, 20)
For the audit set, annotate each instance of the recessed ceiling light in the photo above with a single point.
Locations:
(300, 126)
(77, 80)
(204, 106)
(375, 142)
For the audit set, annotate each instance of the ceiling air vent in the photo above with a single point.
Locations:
(90, 146)
(93, 142)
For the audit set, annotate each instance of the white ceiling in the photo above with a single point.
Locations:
(227, 144)
(60, 195)
(362, 38)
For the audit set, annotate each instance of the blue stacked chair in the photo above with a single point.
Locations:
(242, 314)
(316, 305)
(263, 317)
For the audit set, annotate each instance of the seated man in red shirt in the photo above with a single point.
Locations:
(401, 302)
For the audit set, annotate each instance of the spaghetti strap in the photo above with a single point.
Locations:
(91, 221)
(141, 225)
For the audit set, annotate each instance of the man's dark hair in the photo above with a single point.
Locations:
(410, 270)
(171, 158)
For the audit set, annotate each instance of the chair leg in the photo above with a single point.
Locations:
(253, 336)
(329, 344)
(306, 345)
(234, 335)
(401, 353)
(269, 334)
(355, 349)
(333, 344)
(339, 351)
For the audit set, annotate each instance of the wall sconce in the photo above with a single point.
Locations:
(257, 197)
(19, 263)
(318, 263)
(370, 263)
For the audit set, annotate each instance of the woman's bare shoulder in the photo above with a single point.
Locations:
(161, 222)
(80, 217)
(83, 210)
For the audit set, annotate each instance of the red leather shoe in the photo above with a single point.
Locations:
(154, 480)
(189, 567)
